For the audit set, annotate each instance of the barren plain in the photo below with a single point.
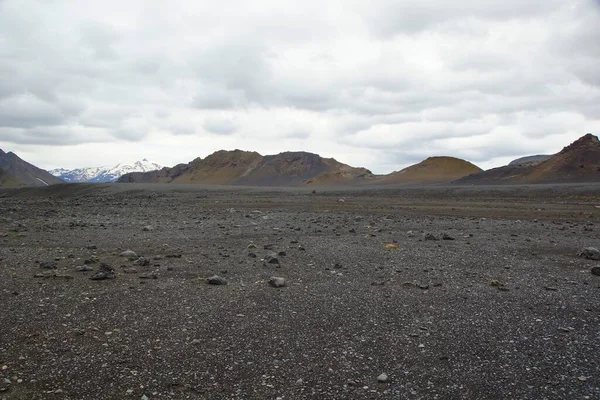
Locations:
(441, 292)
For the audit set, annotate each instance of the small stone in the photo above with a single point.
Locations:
(271, 259)
(445, 236)
(410, 234)
(383, 378)
(550, 288)
(216, 280)
(149, 276)
(590, 253)
(142, 262)
(130, 270)
(268, 246)
(429, 236)
(277, 282)
(104, 272)
(147, 228)
(129, 254)
(48, 265)
(83, 268)
(252, 255)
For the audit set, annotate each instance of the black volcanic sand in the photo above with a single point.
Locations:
(505, 311)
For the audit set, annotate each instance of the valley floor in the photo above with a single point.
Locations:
(503, 308)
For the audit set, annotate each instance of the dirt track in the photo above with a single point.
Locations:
(505, 310)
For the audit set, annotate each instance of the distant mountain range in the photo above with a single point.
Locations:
(16, 172)
(578, 162)
(103, 174)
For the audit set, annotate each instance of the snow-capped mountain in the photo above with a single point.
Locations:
(104, 174)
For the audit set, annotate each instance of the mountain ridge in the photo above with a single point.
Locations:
(104, 173)
(18, 172)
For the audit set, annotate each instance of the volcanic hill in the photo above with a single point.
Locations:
(430, 170)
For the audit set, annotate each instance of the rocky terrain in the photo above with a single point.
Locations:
(115, 291)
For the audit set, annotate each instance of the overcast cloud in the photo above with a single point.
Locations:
(377, 83)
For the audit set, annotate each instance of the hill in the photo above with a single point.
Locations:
(239, 167)
(19, 172)
(530, 159)
(578, 162)
(431, 170)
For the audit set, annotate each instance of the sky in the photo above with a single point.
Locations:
(377, 83)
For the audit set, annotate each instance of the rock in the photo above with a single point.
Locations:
(104, 272)
(149, 276)
(410, 234)
(277, 282)
(48, 265)
(216, 280)
(142, 262)
(429, 236)
(271, 259)
(131, 255)
(83, 268)
(383, 378)
(251, 246)
(130, 270)
(445, 236)
(595, 271)
(147, 228)
(268, 246)
(591, 253)
(252, 255)
(282, 253)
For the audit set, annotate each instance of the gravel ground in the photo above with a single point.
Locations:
(502, 309)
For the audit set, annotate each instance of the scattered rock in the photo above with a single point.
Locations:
(429, 236)
(104, 272)
(590, 253)
(277, 282)
(445, 236)
(142, 262)
(383, 378)
(129, 254)
(83, 268)
(216, 280)
(48, 265)
(271, 259)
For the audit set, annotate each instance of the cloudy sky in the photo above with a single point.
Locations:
(374, 83)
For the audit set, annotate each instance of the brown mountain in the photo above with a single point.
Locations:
(239, 167)
(17, 172)
(431, 170)
(578, 162)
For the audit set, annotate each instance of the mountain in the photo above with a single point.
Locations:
(104, 174)
(530, 159)
(431, 170)
(239, 167)
(578, 162)
(17, 172)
